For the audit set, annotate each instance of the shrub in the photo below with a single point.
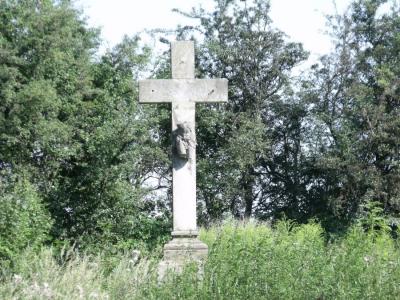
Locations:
(23, 218)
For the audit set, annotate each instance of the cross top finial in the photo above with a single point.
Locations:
(182, 59)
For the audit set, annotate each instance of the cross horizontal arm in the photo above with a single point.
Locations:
(183, 90)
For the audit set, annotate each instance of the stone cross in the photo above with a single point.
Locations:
(183, 91)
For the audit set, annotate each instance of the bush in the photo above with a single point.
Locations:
(23, 218)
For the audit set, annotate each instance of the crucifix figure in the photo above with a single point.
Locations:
(183, 91)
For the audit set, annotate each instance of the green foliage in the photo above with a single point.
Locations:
(372, 218)
(354, 108)
(120, 150)
(71, 123)
(246, 261)
(40, 276)
(45, 54)
(288, 262)
(24, 220)
(47, 49)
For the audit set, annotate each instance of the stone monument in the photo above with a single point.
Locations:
(183, 91)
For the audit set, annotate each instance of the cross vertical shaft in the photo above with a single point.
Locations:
(184, 171)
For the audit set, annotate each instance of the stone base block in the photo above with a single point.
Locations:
(179, 251)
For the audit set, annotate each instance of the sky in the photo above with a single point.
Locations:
(302, 20)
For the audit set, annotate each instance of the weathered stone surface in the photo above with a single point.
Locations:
(184, 174)
(182, 59)
(183, 90)
(180, 251)
(185, 249)
(185, 233)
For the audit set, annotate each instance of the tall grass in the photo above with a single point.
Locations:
(246, 261)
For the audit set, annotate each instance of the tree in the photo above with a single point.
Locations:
(354, 100)
(45, 64)
(239, 43)
(71, 125)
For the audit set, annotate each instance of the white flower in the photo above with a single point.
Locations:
(367, 258)
(17, 278)
(81, 292)
(47, 292)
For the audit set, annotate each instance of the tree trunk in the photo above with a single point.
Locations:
(248, 195)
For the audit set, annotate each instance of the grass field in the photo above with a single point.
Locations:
(246, 261)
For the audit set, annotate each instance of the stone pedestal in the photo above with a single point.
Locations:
(182, 249)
